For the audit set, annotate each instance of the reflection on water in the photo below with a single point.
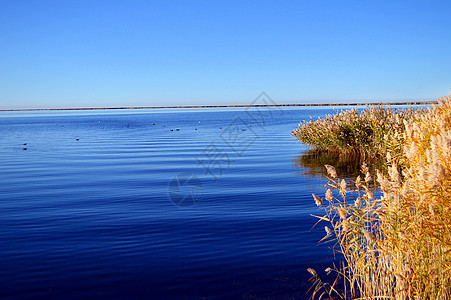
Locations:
(312, 163)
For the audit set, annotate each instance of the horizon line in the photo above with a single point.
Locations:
(228, 106)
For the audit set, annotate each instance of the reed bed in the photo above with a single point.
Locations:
(371, 132)
(396, 245)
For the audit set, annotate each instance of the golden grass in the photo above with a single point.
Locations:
(398, 245)
(368, 133)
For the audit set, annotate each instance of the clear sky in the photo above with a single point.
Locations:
(143, 53)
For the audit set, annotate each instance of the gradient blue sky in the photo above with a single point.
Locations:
(142, 53)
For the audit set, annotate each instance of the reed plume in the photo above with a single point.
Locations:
(395, 241)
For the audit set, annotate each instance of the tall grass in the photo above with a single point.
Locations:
(398, 245)
(368, 133)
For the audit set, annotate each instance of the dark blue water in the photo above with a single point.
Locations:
(175, 204)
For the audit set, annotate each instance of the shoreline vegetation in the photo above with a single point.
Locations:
(392, 228)
(367, 135)
(230, 106)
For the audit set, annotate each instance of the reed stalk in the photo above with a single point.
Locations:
(396, 245)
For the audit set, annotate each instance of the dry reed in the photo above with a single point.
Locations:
(396, 245)
(370, 133)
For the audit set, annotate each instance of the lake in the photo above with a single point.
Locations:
(157, 204)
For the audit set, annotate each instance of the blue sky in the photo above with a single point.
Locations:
(145, 53)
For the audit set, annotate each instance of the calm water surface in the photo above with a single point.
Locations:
(98, 206)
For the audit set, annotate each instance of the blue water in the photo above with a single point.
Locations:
(156, 204)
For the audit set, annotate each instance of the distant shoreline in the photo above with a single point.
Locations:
(226, 106)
